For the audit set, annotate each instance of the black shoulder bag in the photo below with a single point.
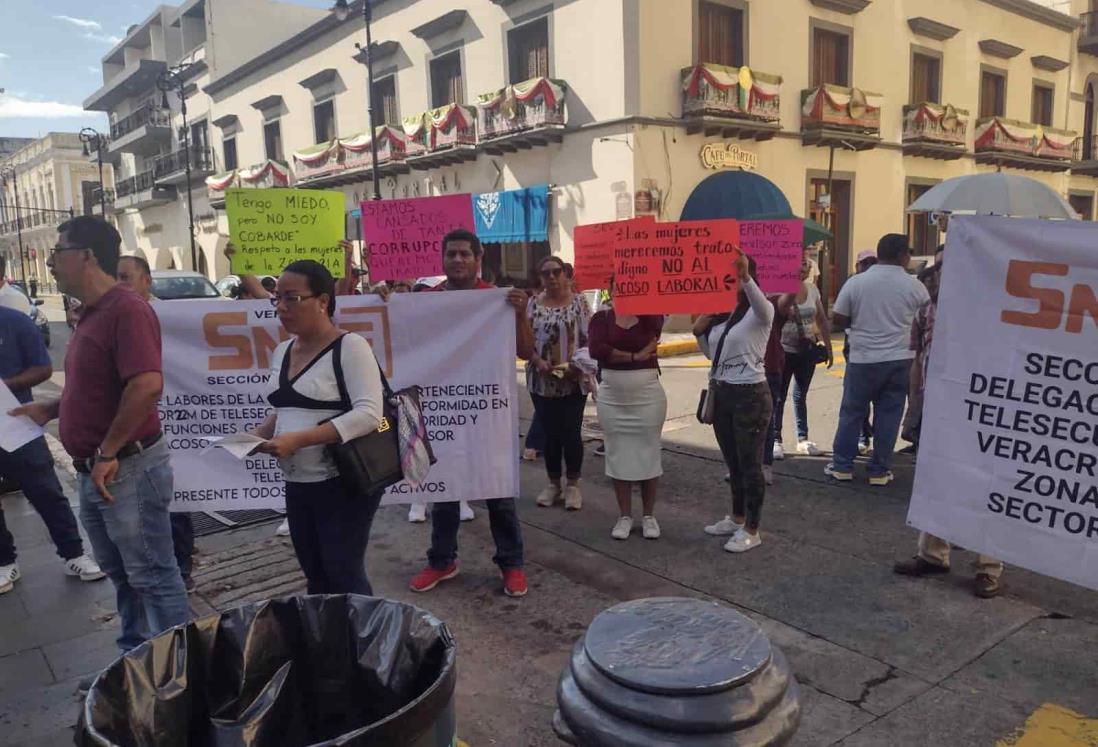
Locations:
(707, 399)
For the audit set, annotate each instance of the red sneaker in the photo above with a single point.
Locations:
(514, 582)
(429, 578)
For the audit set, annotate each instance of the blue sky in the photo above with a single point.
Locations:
(50, 52)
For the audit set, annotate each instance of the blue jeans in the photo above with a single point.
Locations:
(799, 369)
(883, 385)
(132, 542)
(31, 465)
(503, 519)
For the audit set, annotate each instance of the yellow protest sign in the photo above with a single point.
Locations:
(273, 227)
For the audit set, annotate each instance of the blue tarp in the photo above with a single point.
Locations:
(512, 216)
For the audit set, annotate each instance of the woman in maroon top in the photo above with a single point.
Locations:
(632, 407)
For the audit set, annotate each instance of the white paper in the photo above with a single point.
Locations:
(14, 432)
(240, 445)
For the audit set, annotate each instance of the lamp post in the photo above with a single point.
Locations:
(6, 173)
(174, 79)
(343, 11)
(91, 138)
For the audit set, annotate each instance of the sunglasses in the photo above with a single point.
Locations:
(552, 273)
(290, 299)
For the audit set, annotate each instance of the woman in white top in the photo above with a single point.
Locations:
(329, 526)
(806, 325)
(743, 404)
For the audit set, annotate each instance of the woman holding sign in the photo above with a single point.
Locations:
(737, 346)
(559, 319)
(325, 387)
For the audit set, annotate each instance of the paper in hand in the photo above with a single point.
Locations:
(14, 432)
(240, 445)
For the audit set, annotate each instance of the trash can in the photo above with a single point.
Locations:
(293, 672)
(676, 671)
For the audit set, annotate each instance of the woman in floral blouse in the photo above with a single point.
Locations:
(559, 319)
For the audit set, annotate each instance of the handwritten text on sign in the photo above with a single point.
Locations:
(593, 247)
(404, 237)
(273, 227)
(676, 268)
(777, 246)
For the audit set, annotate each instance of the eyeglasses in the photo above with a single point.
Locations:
(58, 249)
(552, 273)
(291, 299)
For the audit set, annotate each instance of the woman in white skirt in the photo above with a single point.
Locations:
(632, 407)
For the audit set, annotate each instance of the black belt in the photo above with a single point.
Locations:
(727, 385)
(84, 466)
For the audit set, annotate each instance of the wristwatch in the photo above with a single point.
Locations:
(101, 457)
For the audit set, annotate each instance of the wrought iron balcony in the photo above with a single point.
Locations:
(841, 116)
(1023, 145)
(730, 101)
(1085, 156)
(260, 176)
(143, 132)
(440, 137)
(172, 168)
(346, 159)
(935, 131)
(1088, 33)
(521, 115)
(141, 191)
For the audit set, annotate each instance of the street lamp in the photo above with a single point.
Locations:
(342, 12)
(91, 138)
(174, 79)
(8, 173)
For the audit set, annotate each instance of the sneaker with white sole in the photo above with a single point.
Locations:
(835, 474)
(778, 452)
(573, 498)
(417, 513)
(550, 495)
(742, 541)
(724, 527)
(283, 528)
(9, 574)
(808, 448)
(881, 480)
(623, 528)
(650, 528)
(768, 474)
(864, 447)
(465, 513)
(84, 568)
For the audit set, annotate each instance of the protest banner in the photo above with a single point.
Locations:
(593, 251)
(777, 246)
(404, 237)
(273, 227)
(1008, 454)
(676, 268)
(217, 356)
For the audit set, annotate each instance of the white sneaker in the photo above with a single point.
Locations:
(742, 541)
(724, 527)
(417, 513)
(779, 452)
(623, 528)
(808, 448)
(550, 495)
(768, 474)
(466, 512)
(283, 528)
(84, 568)
(864, 447)
(9, 574)
(650, 528)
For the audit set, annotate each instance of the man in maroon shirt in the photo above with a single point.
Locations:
(110, 426)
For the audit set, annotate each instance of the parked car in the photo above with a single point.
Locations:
(172, 285)
(36, 314)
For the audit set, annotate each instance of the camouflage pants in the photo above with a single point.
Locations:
(740, 420)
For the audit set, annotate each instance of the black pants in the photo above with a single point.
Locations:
(506, 531)
(330, 529)
(741, 418)
(562, 420)
(799, 368)
(31, 465)
(183, 543)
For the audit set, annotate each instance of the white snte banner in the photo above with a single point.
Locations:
(459, 346)
(1008, 455)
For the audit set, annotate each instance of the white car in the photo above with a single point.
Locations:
(171, 285)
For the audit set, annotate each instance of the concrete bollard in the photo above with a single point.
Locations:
(668, 670)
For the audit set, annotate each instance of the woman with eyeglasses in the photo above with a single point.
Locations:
(559, 319)
(325, 387)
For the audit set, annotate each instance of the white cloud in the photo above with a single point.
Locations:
(4, 55)
(13, 107)
(105, 38)
(84, 23)
(94, 69)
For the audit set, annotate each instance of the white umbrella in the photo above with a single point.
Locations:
(994, 194)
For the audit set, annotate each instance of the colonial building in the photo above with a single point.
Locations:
(562, 112)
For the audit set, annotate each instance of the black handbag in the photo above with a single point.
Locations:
(368, 464)
(814, 349)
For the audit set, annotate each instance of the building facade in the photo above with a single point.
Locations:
(50, 179)
(619, 108)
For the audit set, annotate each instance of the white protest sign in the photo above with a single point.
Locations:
(459, 346)
(1008, 455)
(14, 432)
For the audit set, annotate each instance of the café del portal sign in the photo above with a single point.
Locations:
(727, 156)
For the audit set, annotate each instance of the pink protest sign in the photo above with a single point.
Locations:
(404, 237)
(777, 247)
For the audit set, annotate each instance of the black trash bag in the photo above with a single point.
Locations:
(293, 672)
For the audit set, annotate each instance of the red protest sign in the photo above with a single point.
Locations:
(404, 237)
(677, 268)
(593, 250)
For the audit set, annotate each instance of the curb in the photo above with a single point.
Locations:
(677, 347)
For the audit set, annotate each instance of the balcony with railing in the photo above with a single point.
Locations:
(840, 116)
(143, 132)
(440, 137)
(260, 176)
(1088, 32)
(730, 101)
(172, 167)
(935, 131)
(348, 159)
(1084, 157)
(1023, 145)
(141, 191)
(521, 116)
(99, 197)
(136, 79)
